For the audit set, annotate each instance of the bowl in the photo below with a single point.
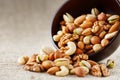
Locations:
(78, 7)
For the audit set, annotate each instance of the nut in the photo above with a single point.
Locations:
(86, 24)
(113, 18)
(104, 42)
(104, 70)
(81, 45)
(92, 63)
(78, 51)
(77, 31)
(114, 27)
(72, 71)
(97, 47)
(95, 40)
(102, 34)
(53, 70)
(62, 62)
(64, 71)
(79, 19)
(95, 29)
(110, 63)
(72, 48)
(47, 64)
(86, 39)
(87, 32)
(43, 57)
(32, 58)
(64, 30)
(58, 54)
(85, 63)
(47, 49)
(71, 26)
(91, 17)
(102, 16)
(38, 59)
(110, 35)
(81, 71)
(22, 60)
(95, 71)
(88, 47)
(68, 18)
(94, 11)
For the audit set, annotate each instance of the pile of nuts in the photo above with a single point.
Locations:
(77, 39)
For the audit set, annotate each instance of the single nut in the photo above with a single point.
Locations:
(88, 47)
(81, 71)
(68, 18)
(110, 63)
(51, 56)
(110, 35)
(77, 31)
(47, 49)
(72, 48)
(58, 54)
(102, 16)
(56, 37)
(87, 32)
(85, 63)
(64, 71)
(72, 71)
(43, 57)
(113, 18)
(32, 58)
(92, 63)
(81, 38)
(38, 59)
(86, 24)
(95, 29)
(97, 47)
(107, 27)
(90, 52)
(95, 71)
(81, 45)
(78, 51)
(104, 42)
(62, 62)
(105, 71)
(71, 26)
(115, 27)
(91, 17)
(94, 11)
(64, 30)
(79, 19)
(86, 39)
(47, 64)
(53, 70)
(102, 34)
(95, 40)
(22, 60)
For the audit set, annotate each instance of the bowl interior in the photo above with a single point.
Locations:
(79, 7)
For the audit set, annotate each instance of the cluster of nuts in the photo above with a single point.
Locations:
(77, 39)
(89, 32)
(55, 62)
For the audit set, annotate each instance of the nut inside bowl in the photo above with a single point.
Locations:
(79, 7)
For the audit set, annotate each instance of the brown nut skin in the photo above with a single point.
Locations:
(47, 64)
(78, 51)
(53, 70)
(81, 72)
(86, 24)
(102, 16)
(87, 32)
(92, 63)
(79, 19)
(114, 27)
(81, 45)
(95, 40)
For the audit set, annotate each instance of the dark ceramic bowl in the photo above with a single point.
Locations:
(78, 7)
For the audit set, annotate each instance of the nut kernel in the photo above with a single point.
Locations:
(97, 47)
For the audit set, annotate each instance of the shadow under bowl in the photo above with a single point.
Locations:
(79, 7)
